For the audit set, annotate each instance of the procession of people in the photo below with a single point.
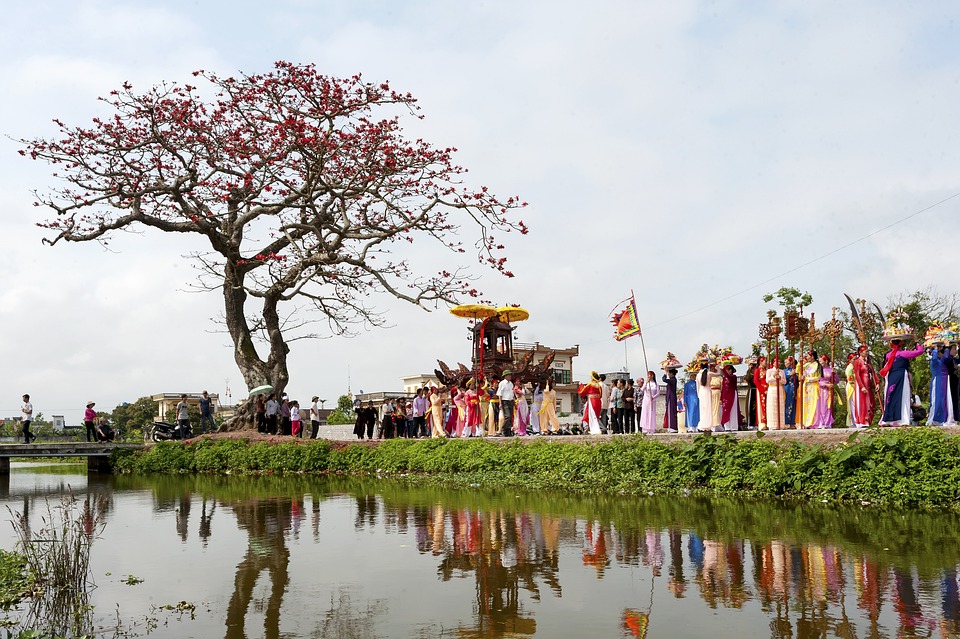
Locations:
(798, 393)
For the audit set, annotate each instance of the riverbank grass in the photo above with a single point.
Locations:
(908, 467)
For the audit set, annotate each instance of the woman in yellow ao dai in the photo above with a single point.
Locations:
(810, 377)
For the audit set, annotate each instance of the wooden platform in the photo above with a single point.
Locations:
(97, 453)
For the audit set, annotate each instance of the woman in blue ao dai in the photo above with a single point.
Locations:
(790, 392)
(691, 403)
(941, 403)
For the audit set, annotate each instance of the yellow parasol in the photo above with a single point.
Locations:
(473, 311)
(510, 314)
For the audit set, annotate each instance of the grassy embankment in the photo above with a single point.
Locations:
(909, 467)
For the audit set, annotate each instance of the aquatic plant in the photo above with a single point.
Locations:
(57, 555)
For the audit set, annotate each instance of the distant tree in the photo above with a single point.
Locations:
(923, 308)
(343, 413)
(789, 298)
(139, 414)
(301, 189)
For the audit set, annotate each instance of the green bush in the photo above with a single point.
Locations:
(911, 467)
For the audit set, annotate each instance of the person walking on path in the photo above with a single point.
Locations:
(691, 403)
(548, 409)
(648, 411)
(90, 422)
(206, 413)
(420, 407)
(27, 410)
(670, 410)
(270, 411)
(628, 424)
(606, 395)
(614, 420)
(285, 416)
(536, 404)
(729, 403)
(590, 392)
(260, 410)
(183, 416)
(436, 413)
(506, 395)
(314, 417)
(896, 373)
(776, 398)
(296, 426)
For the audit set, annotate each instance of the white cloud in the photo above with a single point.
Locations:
(685, 150)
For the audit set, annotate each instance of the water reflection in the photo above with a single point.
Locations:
(534, 564)
(265, 521)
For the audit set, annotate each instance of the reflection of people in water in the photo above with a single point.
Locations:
(677, 583)
(722, 577)
(950, 602)
(206, 519)
(595, 548)
(183, 515)
(905, 601)
(266, 522)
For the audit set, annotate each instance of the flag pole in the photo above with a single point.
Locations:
(646, 367)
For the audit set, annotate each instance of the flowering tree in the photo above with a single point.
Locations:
(300, 187)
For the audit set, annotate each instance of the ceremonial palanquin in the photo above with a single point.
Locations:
(492, 338)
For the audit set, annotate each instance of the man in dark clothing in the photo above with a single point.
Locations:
(953, 379)
(206, 413)
(629, 425)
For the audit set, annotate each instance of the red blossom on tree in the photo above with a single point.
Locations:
(304, 186)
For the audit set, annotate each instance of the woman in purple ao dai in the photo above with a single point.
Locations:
(827, 381)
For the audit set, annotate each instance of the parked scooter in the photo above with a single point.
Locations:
(162, 431)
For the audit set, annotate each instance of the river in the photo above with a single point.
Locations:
(346, 557)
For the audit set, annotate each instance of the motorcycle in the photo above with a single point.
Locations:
(162, 431)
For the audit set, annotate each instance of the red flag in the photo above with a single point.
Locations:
(625, 322)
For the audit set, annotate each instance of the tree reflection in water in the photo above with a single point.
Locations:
(812, 572)
(265, 522)
(505, 552)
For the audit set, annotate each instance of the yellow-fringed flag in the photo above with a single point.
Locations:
(625, 322)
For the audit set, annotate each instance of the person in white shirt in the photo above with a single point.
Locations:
(183, 417)
(271, 413)
(505, 393)
(314, 418)
(26, 420)
(420, 407)
(615, 407)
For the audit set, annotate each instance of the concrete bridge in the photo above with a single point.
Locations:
(97, 453)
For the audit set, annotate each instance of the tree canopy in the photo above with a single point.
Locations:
(343, 413)
(302, 185)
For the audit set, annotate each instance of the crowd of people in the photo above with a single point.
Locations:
(284, 416)
(500, 407)
(795, 395)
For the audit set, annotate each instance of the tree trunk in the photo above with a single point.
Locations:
(254, 370)
(276, 365)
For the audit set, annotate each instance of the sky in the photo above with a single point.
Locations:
(697, 153)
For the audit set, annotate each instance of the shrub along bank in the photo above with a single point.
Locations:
(911, 467)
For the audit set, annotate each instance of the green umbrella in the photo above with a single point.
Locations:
(261, 390)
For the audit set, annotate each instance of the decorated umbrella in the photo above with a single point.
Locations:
(475, 312)
(266, 389)
(511, 314)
